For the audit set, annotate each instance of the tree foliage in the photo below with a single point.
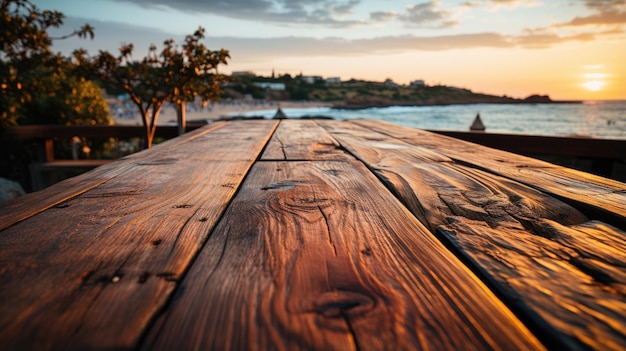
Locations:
(175, 74)
(30, 71)
(70, 99)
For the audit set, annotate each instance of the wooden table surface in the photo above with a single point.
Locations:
(311, 234)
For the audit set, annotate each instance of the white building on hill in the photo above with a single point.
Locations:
(243, 74)
(271, 86)
(311, 79)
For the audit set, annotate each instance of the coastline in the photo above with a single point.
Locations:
(228, 109)
(216, 111)
(364, 103)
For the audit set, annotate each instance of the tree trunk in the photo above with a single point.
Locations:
(147, 141)
(182, 119)
(145, 118)
(151, 127)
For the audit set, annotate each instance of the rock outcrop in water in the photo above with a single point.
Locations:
(538, 99)
(430, 96)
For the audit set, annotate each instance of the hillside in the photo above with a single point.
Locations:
(360, 94)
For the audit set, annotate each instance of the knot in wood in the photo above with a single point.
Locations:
(339, 304)
(283, 185)
(302, 205)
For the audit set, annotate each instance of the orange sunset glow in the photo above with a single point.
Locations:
(562, 48)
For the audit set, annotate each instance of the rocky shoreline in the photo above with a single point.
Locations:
(376, 102)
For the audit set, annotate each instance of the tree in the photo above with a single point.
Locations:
(174, 74)
(25, 54)
(69, 99)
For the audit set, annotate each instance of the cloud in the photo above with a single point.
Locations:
(505, 2)
(253, 50)
(604, 18)
(608, 12)
(307, 12)
(496, 4)
(345, 9)
(470, 4)
(428, 15)
(250, 49)
(546, 40)
(606, 5)
(110, 35)
(380, 16)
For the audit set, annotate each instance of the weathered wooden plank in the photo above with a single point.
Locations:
(319, 255)
(93, 271)
(542, 255)
(598, 194)
(299, 139)
(571, 276)
(33, 203)
(443, 185)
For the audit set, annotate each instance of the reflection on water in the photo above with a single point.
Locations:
(592, 113)
(598, 119)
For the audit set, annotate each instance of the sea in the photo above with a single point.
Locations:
(595, 119)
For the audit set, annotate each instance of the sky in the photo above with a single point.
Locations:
(567, 49)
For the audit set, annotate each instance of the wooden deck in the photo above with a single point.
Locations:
(304, 234)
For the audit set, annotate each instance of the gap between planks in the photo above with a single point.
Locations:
(319, 255)
(606, 197)
(34, 203)
(103, 274)
(423, 180)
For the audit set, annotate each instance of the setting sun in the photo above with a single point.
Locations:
(595, 81)
(594, 85)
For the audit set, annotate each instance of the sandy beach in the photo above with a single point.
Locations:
(212, 112)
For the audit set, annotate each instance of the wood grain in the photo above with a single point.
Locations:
(571, 276)
(562, 271)
(33, 203)
(298, 139)
(93, 271)
(153, 251)
(589, 192)
(542, 144)
(319, 255)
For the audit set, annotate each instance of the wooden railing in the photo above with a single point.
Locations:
(42, 168)
(603, 157)
(606, 157)
(536, 144)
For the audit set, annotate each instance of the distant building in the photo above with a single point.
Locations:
(391, 83)
(270, 85)
(311, 79)
(417, 83)
(333, 80)
(243, 74)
